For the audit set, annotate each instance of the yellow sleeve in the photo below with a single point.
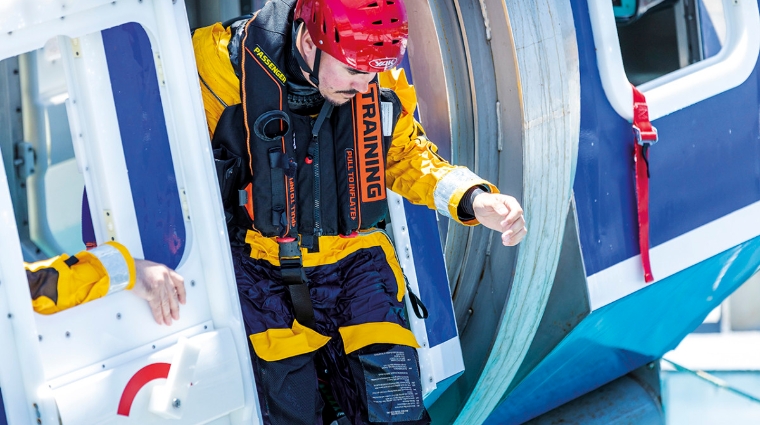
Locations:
(215, 69)
(414, 169)
(66, 281)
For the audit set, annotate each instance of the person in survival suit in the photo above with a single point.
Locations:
(310, 124)
(66, 281)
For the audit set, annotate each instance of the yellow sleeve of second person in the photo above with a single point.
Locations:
(414, 169)
(214, 67)
(57, 286)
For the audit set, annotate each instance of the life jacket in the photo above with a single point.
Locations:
(295, 182)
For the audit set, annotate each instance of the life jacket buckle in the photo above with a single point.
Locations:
(291, 265)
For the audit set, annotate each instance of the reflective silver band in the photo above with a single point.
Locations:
(458, 179)
(386, 114)
(115, 264)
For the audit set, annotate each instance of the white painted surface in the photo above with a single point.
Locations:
(18, 351)
(166, 400)
(116, 328)
(217, 387)
(688, 85)
(444, 360)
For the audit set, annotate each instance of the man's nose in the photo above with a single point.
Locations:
(361, 84)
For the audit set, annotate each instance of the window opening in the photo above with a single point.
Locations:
(663, 36)
(42, 147)
(50, 175)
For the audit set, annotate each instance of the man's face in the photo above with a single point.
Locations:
(338, 82)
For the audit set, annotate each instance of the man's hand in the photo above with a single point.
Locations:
(503, 214)
(162, 287)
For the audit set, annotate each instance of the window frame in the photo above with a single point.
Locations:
(689, 85)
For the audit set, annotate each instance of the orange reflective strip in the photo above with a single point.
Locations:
(249, 204)
(371, 161)
(357, 183)
(244, 96)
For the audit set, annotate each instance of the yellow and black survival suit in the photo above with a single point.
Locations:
(303, 185)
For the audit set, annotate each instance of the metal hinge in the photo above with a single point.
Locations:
(24, 160)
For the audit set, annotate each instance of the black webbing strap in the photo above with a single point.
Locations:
(280, 167)
(293, 276)
(419, 308)
(313, 74)
(71, 261)
(324, 114)
(277, 159)
(277, 176)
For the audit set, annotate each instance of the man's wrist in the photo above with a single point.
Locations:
(465, 210)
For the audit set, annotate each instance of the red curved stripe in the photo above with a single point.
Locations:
(142, 377)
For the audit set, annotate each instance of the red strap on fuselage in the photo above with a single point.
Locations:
(645, 136)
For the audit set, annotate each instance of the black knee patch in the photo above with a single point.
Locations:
(287, 389)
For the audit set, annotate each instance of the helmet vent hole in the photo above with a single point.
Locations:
(324, 27)
(377, 23)
(373, 4)
(394, 20)
(389, 2)
(379, 44)
(394, 42)
(337, 36)
(314, 17)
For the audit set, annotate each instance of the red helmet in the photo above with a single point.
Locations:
(368, 35)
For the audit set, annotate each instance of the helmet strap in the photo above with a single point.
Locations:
(313, 74)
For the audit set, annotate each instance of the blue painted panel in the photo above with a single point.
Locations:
(603, 135)
(431, 273)
(428, 257)
(146, 143)
(3, 419)
(627, 334)
(706, 165)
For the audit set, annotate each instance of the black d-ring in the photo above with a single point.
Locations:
(259, 127)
